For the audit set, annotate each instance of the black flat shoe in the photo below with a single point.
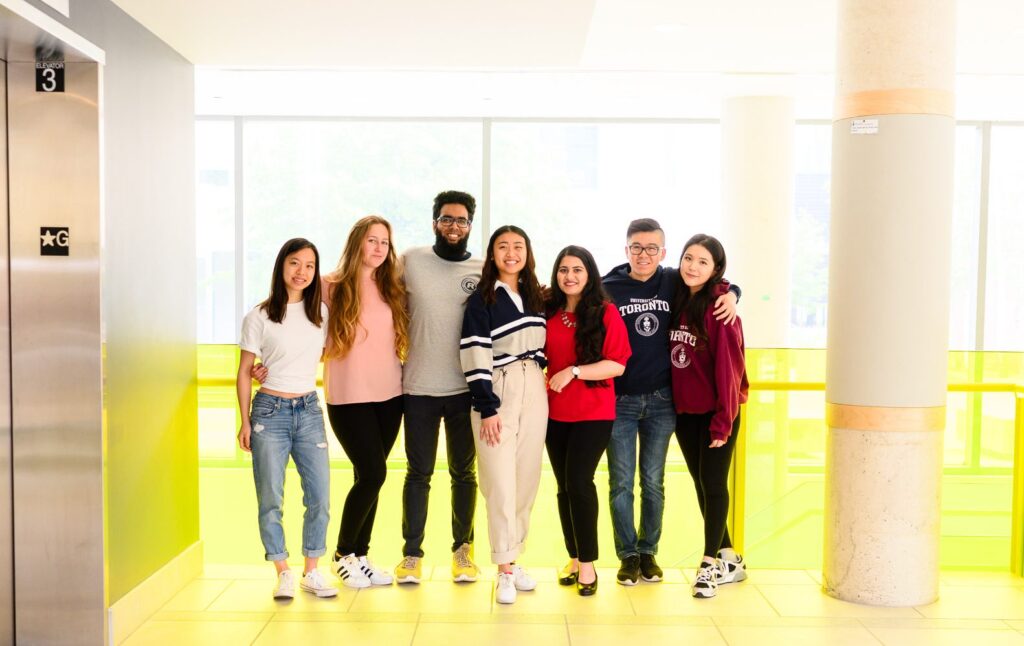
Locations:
(567, 577)
(587, 589)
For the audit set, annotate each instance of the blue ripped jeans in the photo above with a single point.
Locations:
(651, 419)
(295, 427)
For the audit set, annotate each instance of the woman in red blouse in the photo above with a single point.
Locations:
(586, 348)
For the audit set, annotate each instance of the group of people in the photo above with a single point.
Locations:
(580, 367)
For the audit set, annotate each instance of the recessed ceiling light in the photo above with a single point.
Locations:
(669, 27)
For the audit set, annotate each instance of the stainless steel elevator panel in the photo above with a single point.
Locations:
(54, 183)
(6, 498)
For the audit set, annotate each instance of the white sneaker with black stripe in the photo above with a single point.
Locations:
(349, 571)
(376, 576)
(705, 585)
(732, 571)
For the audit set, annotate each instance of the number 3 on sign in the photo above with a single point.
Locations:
(49, 79)
(50, 76)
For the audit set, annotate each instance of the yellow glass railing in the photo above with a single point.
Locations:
(1016, 549)
(778, 479)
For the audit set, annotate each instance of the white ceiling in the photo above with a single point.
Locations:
(736, 36)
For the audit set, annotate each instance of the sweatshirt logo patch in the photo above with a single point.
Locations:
(468, 285)
(679, 357)
(646, 324)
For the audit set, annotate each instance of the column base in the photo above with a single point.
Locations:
(882, 510)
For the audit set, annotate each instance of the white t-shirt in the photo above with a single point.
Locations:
(290, 349)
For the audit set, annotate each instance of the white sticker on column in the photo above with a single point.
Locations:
(864, 127)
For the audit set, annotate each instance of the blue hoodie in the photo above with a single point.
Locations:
(645, 307)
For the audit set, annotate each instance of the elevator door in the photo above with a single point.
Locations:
(6, 495)
(52, 561)
(55, 374)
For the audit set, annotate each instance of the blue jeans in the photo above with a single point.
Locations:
(283, 427)
(652, 419)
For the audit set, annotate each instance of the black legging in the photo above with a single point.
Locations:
(366, 431)
(574, 449)
(709, 469)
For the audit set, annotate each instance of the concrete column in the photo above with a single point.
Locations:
(892, 196)
(757, 205)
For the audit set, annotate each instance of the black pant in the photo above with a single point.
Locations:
(709, 469)
(423, 416)
(574, 449)
(367, 432)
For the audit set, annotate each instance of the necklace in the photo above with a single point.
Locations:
(565, 321)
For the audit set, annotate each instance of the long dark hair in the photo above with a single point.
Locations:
(590, 330)
(529, 286)
(276, 305)
(693, 307)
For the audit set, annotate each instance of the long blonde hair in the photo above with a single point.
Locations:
(345, 303)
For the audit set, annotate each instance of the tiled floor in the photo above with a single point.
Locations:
(232, 605)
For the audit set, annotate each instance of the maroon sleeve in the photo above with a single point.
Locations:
(727, 349)
(616, 340)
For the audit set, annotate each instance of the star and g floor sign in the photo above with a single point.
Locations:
(54, 241)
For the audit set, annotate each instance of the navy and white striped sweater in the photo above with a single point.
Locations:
(494, 336)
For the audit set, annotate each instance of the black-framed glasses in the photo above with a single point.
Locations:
(650, 250)
(447, 221)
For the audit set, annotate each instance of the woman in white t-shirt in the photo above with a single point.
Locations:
(288, 332)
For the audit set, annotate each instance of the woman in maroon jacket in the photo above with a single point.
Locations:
(709, 382)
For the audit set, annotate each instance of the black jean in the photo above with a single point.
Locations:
(367, 432)
(575, 448)
(423, 415)
(709, 469)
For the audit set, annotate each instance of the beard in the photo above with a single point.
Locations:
(448, 250)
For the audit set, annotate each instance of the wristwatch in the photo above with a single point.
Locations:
(576, 372)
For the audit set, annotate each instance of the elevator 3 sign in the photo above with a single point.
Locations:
(49, 76)
(54, 241)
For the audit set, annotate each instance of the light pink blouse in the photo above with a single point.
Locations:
(371, 371)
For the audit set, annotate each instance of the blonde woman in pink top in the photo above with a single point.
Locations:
(367, 339)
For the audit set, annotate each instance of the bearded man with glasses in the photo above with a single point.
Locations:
(644, 413)
(438, 280)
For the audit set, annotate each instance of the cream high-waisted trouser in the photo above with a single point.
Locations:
(509, 473)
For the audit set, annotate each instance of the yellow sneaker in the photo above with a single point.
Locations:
(410, 570)
(463, 567)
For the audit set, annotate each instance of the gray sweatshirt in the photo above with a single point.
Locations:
(437, 290)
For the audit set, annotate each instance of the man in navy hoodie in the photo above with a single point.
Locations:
(642, 290)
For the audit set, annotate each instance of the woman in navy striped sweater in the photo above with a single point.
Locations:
(502, 353)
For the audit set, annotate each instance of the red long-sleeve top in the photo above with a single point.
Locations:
(709, 374)
(578, 402)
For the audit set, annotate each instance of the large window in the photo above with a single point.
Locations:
(1004, 295)
(315, 178)
(808, 281)
(963, 286)
(581, 183)
(565, 182)
(215, 231)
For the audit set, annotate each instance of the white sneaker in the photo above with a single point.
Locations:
(732, 571)
(524, 582)
(505, 590)
(313, 581)
(705, 585)
(348, 570)
(376, 577)
(285, 588)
